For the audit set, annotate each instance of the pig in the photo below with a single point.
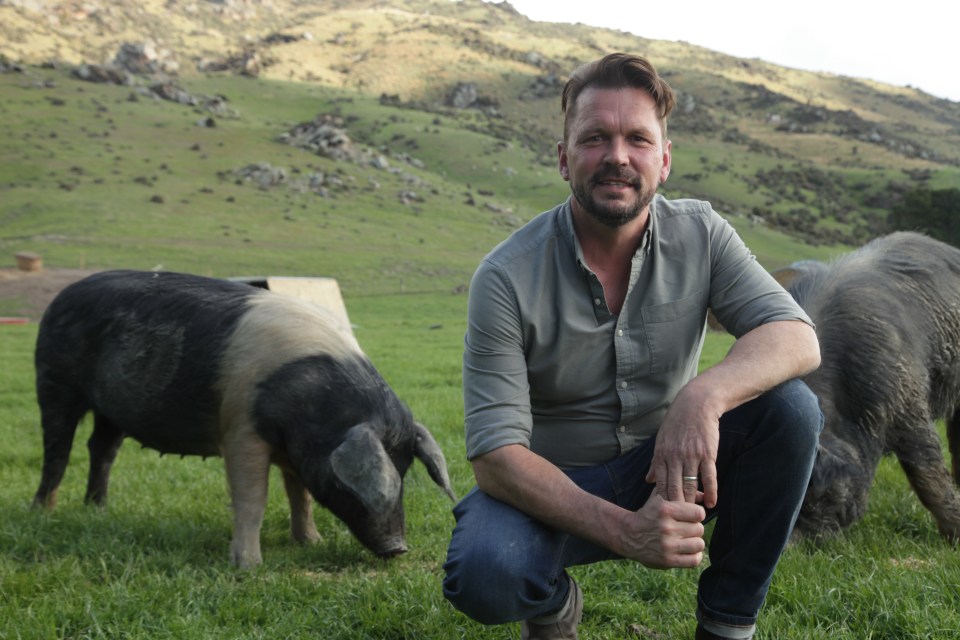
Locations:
(202, 366)
(888, 321)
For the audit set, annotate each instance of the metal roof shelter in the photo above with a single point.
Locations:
(322, 291)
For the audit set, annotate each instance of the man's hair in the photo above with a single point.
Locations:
(615, 71)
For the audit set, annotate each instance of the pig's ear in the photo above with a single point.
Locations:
(363, 466)
(430, 454)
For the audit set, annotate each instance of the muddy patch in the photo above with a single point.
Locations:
(26, 294)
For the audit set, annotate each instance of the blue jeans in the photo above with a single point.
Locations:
(504, 566)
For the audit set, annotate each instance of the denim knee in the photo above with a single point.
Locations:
(472, 584)
(502, 566)
(794, 409)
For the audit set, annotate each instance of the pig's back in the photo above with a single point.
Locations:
(142, 350)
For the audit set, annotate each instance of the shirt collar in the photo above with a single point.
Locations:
(565, 223)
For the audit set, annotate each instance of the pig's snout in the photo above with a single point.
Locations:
(391, 548)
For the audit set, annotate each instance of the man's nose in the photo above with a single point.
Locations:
(617, 152)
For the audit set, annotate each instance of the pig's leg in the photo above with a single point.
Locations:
(60, 412)
(302, 527)
(103, 445)
(953, 440)
(247, 460)
(921, 456)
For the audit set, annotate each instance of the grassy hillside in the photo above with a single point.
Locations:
(91, 179)
(99, 174)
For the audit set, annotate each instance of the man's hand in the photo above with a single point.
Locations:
(664, 535)
(686, 448)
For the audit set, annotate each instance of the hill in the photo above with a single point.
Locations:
(391, 143)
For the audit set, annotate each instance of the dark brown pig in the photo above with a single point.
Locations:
(888, 322)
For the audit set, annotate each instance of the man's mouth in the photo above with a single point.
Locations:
(617, 180)
(617, 183)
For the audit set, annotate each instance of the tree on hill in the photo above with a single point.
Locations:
(935, 212)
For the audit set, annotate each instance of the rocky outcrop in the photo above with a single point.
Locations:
(143, 58)
(324, 136)
(464, 95)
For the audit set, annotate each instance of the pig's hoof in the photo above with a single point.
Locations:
(245, 559)
(311, 538)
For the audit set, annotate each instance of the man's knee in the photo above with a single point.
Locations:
(796, 409)
(500, 562)
(787, 417)
(485, 584)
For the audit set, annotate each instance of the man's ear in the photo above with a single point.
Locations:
(667, 161)
(562, 161)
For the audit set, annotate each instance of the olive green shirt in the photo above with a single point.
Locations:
(548, 366)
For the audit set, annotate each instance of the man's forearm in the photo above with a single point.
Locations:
(760, 360)
(660, 535)
(515, 475)
(688, 439)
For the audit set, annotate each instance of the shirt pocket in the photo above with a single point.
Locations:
(673, 331)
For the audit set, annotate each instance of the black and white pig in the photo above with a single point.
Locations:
(888, 321)
(201, 366)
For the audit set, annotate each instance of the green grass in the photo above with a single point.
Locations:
(154, 564)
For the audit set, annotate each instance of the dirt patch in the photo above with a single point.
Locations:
(25, 294)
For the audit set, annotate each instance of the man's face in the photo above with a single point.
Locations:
(615, 156)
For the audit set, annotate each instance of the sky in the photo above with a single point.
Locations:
(915, 43)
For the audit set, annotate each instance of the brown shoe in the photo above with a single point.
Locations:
(565, 627)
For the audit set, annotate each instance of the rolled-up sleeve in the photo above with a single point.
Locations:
(743, 295)
(496, 391)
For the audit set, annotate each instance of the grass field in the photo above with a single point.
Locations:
(154, 563)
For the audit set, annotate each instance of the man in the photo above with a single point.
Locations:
(590, 433)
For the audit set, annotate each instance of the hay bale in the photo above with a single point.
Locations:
(28, 261)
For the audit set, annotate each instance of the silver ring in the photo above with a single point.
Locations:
(689, 478)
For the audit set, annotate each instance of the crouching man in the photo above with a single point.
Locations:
(590, 433)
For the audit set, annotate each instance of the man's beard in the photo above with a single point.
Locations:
(613, 214)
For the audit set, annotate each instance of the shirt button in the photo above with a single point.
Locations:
(623, 428)
(623, 384)
(619, 332)
(597, 301)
